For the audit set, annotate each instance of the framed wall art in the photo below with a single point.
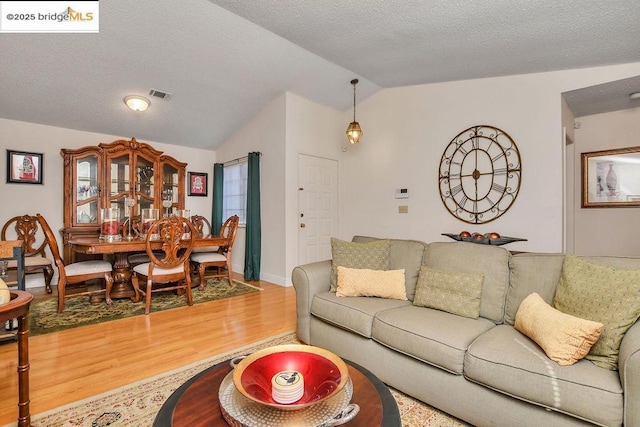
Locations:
(24, 168)
(197, 184)
(611, 178)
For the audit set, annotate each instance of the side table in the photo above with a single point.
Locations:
(18, 308)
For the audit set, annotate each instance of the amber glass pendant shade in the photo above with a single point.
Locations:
(354, 133)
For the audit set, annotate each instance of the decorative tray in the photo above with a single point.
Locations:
(239, 411)
(503, 240)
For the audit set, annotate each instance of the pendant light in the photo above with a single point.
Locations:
(354, 133)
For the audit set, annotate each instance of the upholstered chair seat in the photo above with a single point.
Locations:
(208, 257)
(32, 261)
(88, 267)
(157, 271)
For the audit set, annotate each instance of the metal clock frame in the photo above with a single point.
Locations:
(480, 174)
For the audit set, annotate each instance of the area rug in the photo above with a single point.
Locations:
(137, 404)
(44, 318)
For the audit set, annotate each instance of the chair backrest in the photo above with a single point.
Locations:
(136, 225)
(201, 224)
(229, 230)
(177, 235)
(51, 240)
(26, 228)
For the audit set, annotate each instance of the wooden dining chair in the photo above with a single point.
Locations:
(136, 224)
(203, 229)
(26, 228)
(171, 268)
(220, 259)
(77, 272)
(136, 231)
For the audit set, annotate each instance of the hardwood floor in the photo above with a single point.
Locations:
(75, 364)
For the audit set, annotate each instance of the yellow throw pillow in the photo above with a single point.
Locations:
(354, 282)
(564, 338)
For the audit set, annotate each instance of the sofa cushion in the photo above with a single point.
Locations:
(354, 314)
(531, 272)
(491, 261)
(509, 362)
(564, 338)
(433, 336)
(405, 254)
(455, 293)
(602, 294)
(357, 282)
(372, 255)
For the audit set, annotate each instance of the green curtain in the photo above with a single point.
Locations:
(253, 230)
(218, 185)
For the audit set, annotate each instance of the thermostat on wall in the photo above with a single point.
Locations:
(402, 193)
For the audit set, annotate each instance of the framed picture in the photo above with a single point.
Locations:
(24, 168)
(197, 184)
(611, 178)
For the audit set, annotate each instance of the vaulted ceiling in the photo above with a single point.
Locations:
(224, 60)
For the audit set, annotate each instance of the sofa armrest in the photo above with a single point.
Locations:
(629, 370)
(308, 280)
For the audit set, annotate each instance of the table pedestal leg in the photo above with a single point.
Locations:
(122, 287)
(24, 418)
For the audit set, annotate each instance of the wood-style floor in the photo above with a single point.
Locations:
(74, 364)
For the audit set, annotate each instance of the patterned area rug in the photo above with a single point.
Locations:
(137, 404)
(44, 318)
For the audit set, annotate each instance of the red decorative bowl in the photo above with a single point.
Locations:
(324, 373)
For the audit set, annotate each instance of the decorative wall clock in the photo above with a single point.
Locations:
(480, 174)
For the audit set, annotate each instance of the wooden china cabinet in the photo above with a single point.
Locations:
(106, 175)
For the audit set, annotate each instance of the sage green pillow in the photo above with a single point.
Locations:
(457, 293)
(601, 294)
(373, 256)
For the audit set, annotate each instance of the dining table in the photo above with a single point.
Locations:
(121, 249)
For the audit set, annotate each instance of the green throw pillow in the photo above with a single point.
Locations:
(601, 294)
(457, 293)
(373, 256)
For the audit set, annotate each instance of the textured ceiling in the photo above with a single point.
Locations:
(223, 61)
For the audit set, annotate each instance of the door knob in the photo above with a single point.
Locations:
(303, 225)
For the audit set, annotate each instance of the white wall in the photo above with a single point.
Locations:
(264, 133)
(605, 231)
(286, 127)
(18, 199)
(314, 130)
(406, 130)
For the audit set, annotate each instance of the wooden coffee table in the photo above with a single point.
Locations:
(196, 402)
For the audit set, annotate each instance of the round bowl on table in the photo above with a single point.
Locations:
(324, 373)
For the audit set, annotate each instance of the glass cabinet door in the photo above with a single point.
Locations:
(145, 186)
(119, 181)
(87, 190)
(169, 187)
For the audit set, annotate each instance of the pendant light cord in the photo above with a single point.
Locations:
(354, 82)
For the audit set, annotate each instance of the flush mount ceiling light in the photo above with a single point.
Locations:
(136, 102)
(354, 133)
(634, 95)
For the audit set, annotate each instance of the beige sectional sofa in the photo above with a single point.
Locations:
(481, 370)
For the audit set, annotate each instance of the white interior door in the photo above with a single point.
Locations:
(317, 207)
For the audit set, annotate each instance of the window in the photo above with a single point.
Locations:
(234, 200)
